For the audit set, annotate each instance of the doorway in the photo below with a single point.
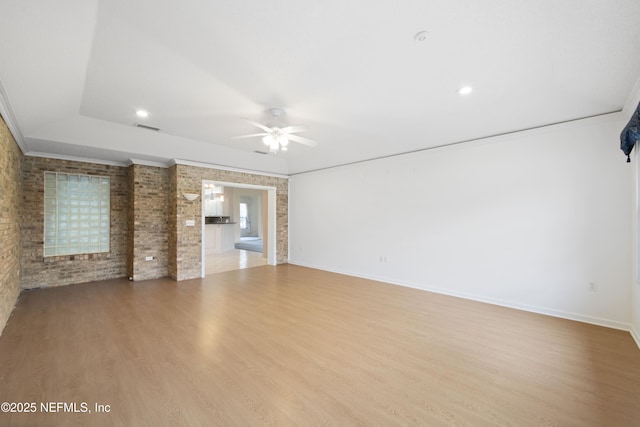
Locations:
(244, 213)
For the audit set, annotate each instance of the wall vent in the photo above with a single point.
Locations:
(138, 125)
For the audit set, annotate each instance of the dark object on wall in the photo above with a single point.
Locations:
(630, 134)
(217, 220)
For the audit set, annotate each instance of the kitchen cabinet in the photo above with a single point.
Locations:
(218, 238)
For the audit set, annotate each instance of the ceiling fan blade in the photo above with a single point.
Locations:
(294, 129)
(302, 140)
(249, 136)
(258, 125)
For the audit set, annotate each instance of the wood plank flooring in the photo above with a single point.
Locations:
(234, 259)
(289, 345)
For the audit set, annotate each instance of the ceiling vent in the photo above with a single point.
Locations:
(138, 125)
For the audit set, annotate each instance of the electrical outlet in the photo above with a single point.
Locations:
(593, 287)
(149, 258)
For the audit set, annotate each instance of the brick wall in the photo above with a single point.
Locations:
(186, 246)
(130, 221)
(148, 222)
(54, 271)
(172, 233)
(10, 211)
(148, 214)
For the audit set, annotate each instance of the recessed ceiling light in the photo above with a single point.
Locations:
(465, 90)
(143, 114)
(421, 36)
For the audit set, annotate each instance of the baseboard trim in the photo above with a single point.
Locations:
(503, 303)
(635, 335)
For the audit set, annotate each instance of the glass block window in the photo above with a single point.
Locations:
(76, 214)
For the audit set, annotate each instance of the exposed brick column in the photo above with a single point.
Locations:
(149, 218)
(172, 223)
(189, 238)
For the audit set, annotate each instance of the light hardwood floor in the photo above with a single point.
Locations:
(288, 345)
(234, 259)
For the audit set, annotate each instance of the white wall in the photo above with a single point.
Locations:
(526, 220)
(635, 282)
(635, 331)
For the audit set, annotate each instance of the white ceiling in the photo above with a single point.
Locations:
(74, 72)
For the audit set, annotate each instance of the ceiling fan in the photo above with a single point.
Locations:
(277, 135)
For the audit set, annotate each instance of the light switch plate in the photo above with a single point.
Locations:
(190, 223)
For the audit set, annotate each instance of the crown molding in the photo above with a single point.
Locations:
(10, 119)
(491, 139)
(76, 159)
(165, 165)
(224, 168)
(152, 163)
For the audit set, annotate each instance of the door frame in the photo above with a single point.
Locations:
(271, 218)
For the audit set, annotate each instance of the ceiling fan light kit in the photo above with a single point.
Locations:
(276, 140)
(277, 136)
